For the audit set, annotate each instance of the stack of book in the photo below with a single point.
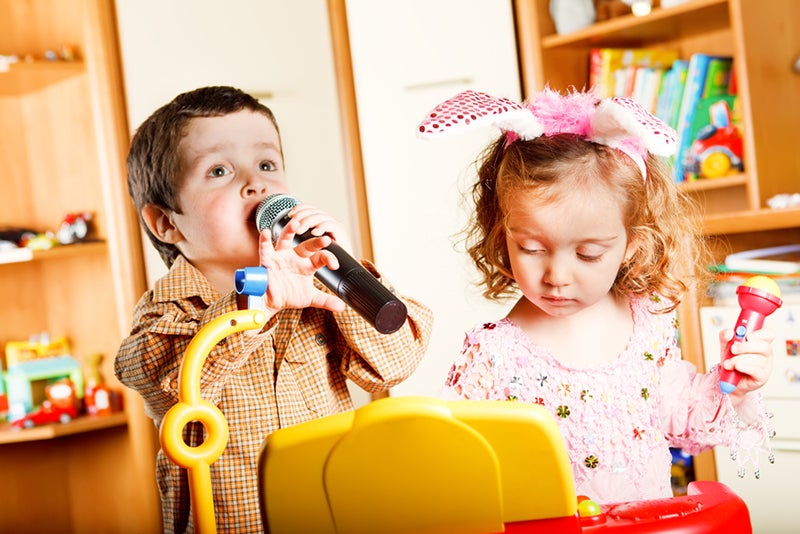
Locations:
(782, 264)
(697, 97)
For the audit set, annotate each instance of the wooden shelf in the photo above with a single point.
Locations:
(87, 423)
(64, 251)
(706, 184)
(751, 221)
(691, 17)
(22, 77)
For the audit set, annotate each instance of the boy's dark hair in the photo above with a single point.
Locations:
(153, 159)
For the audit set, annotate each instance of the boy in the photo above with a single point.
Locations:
(198, 168)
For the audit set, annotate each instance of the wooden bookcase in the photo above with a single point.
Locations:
(63, 141)
(764, 39)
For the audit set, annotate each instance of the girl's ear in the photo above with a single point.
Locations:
(159, 222)
(630, 250)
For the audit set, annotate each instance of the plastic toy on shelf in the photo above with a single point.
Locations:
(419, 464)
(38, 360)
(60, 406)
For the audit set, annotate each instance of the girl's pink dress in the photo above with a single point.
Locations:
(620, 418)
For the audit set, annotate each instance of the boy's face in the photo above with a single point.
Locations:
(230, 163)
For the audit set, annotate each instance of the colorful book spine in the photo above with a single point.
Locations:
(611, 70)
(692, 93)
(718, 77)
(680, 68)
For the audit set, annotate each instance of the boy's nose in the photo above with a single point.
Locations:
(255, 187)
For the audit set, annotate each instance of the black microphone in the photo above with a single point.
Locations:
(351, 282)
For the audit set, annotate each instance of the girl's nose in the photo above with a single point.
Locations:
(557, 272)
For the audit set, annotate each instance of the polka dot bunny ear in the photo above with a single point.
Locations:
(472, 108)
(618, 122)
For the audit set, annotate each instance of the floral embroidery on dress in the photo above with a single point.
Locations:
(616, 418)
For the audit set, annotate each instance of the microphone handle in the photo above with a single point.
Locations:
(748, 321)
(356, 286)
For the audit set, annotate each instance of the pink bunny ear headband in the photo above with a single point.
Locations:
(619, 123)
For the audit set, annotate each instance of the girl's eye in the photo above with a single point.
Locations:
(267, 166)
(590, 258)
(531, 250)
(218, 171)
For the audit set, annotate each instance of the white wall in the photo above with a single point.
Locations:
(407, 57)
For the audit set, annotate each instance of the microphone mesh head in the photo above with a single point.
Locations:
(273, 208)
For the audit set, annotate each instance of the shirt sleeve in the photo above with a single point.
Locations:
(375, 361)
(149, 359)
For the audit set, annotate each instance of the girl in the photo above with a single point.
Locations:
(577, 215)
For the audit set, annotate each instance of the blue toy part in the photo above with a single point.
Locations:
(253, 282)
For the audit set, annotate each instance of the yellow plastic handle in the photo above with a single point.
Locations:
(192, 407)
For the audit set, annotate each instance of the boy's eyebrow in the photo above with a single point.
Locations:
(268, 144)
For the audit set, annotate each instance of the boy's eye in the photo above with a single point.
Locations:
(218, 171)
(267, 166)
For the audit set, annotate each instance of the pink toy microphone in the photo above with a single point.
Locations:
(759, 296)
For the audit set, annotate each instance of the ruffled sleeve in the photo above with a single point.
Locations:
(697, 416)
(474, 374)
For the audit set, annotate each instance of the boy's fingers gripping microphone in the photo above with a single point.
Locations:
(351, 282)
(759, 296)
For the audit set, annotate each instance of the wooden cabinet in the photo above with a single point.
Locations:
(63, 140)
(764, 39)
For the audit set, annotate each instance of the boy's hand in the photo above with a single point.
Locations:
(752, 358)
(305, 217)
(291, 267)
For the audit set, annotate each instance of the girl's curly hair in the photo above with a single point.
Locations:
(659, 218)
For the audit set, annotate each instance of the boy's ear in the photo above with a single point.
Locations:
(159, 222)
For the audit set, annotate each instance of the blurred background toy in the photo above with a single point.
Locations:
(59, 406)
(34, 364)
(74, 228)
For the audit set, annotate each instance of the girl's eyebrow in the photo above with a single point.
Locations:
(600, 240)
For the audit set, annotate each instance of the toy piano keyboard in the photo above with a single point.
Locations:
(418, 464)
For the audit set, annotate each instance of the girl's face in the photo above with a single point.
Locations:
(229, 164)
(565, 254)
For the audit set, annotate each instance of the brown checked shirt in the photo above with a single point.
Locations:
(293, 371)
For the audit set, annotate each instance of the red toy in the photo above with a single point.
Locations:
(759, 296)
(59, 407)
(717, 149)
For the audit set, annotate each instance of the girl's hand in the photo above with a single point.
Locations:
(291, 268)
(751, 357)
